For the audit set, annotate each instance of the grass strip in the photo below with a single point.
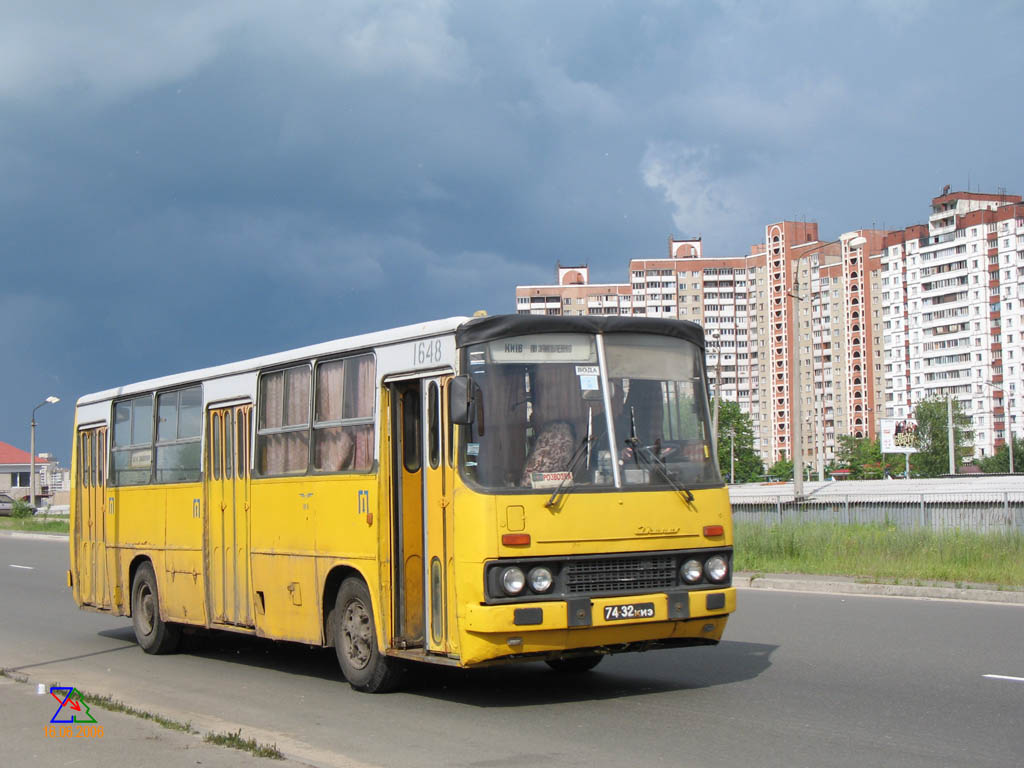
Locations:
(35, 524)
(113, 705)
(882, 553)
(235, 741)
(229, 739)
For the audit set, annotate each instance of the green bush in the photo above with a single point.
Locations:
(21, 510)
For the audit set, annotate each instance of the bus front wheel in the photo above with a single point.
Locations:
(153, 634)
(355, 641)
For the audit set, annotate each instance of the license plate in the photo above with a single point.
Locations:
(629, 611)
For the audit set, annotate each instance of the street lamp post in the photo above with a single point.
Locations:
(32, 451)
(796, 390)
(716, 335)
(1007, 418)
(857, 241)
(732, 455)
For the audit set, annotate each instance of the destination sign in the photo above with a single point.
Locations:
(545, 348)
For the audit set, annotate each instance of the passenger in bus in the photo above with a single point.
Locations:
(552, 450)
(560, 416)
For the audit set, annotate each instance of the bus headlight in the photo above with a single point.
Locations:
(512, 580)
(540, 579)
(691, 571)
(716, 568)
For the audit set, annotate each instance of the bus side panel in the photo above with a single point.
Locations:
(75, 519)
(475, 531)
(139, 523)
(283, 557)
(183, 597)
(347, 524)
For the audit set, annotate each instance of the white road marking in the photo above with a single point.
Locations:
(23, 567)
(1005, 677)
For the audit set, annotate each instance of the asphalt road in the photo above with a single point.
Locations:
(800, 680)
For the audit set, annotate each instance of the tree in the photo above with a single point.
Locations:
(1000, 460)
(782, 469)
(735, 427)
(932, 458)
(863, 457)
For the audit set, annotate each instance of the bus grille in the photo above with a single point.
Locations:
(620, 574)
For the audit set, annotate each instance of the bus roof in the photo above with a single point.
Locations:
(502, 326)
(362, 341)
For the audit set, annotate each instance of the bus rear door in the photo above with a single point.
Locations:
(226, 529)
(90, 517)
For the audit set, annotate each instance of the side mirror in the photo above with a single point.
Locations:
(462, 400)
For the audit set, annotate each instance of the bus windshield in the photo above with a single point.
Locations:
(548, 421)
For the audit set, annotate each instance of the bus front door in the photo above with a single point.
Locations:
(226, 523)
(90, 517)
(422, 483)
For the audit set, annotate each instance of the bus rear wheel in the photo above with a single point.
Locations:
(575, 665)
(153, 634)
(355, 641)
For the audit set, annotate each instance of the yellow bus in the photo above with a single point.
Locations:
(468, 491)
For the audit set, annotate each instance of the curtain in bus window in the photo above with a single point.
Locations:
(344, 395)
(284, 403)
(330, 378)
(359, 389)
(272, 405)
(502, 447)
(296, 395)
(557, 397)
(362, 407)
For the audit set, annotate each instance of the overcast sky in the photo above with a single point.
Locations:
(190, 183)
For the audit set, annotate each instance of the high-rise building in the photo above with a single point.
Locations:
(953, 322)
(878, 321)
(745, 306)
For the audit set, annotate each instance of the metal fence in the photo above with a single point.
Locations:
(979, 512)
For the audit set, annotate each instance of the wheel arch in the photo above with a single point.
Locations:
(133, 568)
(329, 595)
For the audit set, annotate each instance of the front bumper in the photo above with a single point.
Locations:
(510, 630)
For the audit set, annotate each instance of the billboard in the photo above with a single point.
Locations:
(899, 435)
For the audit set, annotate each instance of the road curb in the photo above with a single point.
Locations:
(38, 536)
(842, 587)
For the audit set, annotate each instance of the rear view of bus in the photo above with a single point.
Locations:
(587, 442)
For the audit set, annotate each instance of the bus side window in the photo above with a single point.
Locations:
(229, 443)
(215, 445)
(434, 420)
(411, 430)
(242, 445)
(451, 428)
(101, 459)
(84, 457)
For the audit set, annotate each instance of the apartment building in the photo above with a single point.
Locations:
(953, 320)
(574, 294)
(745, 307)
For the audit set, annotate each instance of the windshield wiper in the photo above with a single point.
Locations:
(574, 461)
(562, 488)
(650, 458)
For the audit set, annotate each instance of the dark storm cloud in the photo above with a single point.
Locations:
(183, 184)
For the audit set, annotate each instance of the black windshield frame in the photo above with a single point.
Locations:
(470, 443)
